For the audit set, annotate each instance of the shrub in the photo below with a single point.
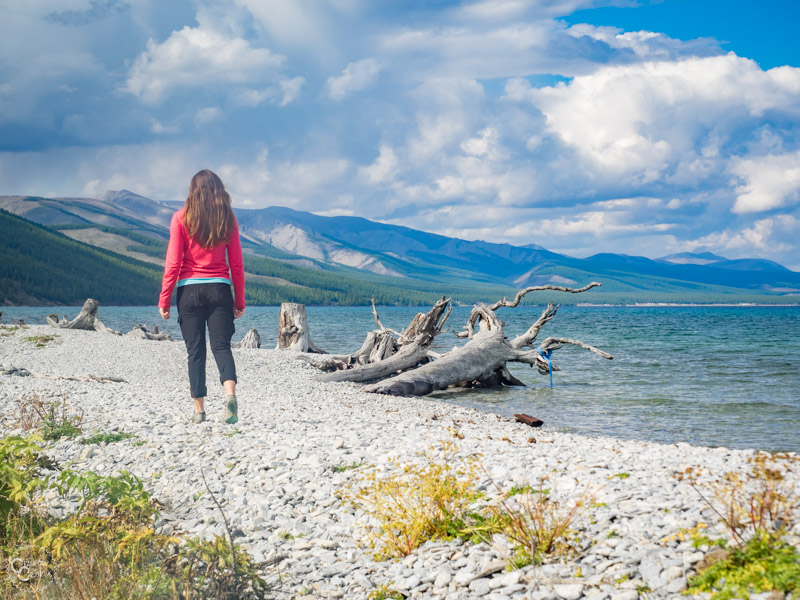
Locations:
(765, 563)
(108, 546)
(757, 508)
(420, 502)
(537, 524)
(439, 499)
(53, 417)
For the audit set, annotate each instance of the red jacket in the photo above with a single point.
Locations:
(186, 258)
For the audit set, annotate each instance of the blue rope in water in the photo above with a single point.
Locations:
(546, 356)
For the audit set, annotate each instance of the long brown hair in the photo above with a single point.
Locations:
(208, 217)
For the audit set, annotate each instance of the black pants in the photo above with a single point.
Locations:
(200, 304)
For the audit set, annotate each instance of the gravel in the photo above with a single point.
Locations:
(275, 472)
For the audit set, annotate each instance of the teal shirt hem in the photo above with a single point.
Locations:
(193, 280)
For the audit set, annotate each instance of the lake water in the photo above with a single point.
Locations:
(714, 376)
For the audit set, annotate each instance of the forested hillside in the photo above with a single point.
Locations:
(41, 266)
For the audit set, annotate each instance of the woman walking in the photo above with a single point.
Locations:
(201, 234)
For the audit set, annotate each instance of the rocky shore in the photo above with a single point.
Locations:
(278, 472)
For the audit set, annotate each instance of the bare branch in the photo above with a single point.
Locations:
(479, 312)
(526, 339)
(400, 336)
(553, 343)
(556, 288)
(227, 525)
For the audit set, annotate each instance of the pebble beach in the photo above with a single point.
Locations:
(279, 472)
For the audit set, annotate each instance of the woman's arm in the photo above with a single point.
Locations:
(236, 264)
(172, 266)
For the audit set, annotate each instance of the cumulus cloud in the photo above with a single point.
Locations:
(282, 94)
(485, 145)
(770, 182)
(648, 45)
(640, 119)
(198, 57)
(770, 234)
(383, 169)
(356, 76)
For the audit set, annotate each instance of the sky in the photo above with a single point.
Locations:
(584, 126)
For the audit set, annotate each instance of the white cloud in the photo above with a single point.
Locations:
(290, 89)
(383, 169)
(773, 234)
(486, 145)
(197, 57)
(770, 182)
(639, 119)
(355, 77)
(206, 115)
(647, 45)
(281, 95)
(595, 223)
(158, 128)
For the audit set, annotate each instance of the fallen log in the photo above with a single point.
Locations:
(140, 332)
(87, 319)
(482, 360)
(293, 333)
(411, 350)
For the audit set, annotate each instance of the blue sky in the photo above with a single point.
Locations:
(584, 126)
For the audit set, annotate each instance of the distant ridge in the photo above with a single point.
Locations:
(420, 260)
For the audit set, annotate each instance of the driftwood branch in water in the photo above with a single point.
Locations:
(483, 360)
(87, 319)
(479, 311)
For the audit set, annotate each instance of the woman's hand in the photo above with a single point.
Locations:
(237, 312)
(164, 312)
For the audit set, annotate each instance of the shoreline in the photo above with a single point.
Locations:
(275, 471)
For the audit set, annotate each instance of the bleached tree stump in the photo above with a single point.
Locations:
(293, 332)
(250, 340)
(87, 319)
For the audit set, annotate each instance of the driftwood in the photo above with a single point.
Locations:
(140, 332)
(413, 347)
(86, 319)
(293, 333)
(482, 360)
(250, 340)
(415, 370)
(379, 345)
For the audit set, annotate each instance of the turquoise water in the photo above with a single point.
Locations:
(714, 376)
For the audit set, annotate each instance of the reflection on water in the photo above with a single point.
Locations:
(717, 376)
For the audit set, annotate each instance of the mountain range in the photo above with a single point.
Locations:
(293, 249)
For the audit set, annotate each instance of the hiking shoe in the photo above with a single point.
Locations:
(199, 417)
(231, 410)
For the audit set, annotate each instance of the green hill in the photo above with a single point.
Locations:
(41, 266)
